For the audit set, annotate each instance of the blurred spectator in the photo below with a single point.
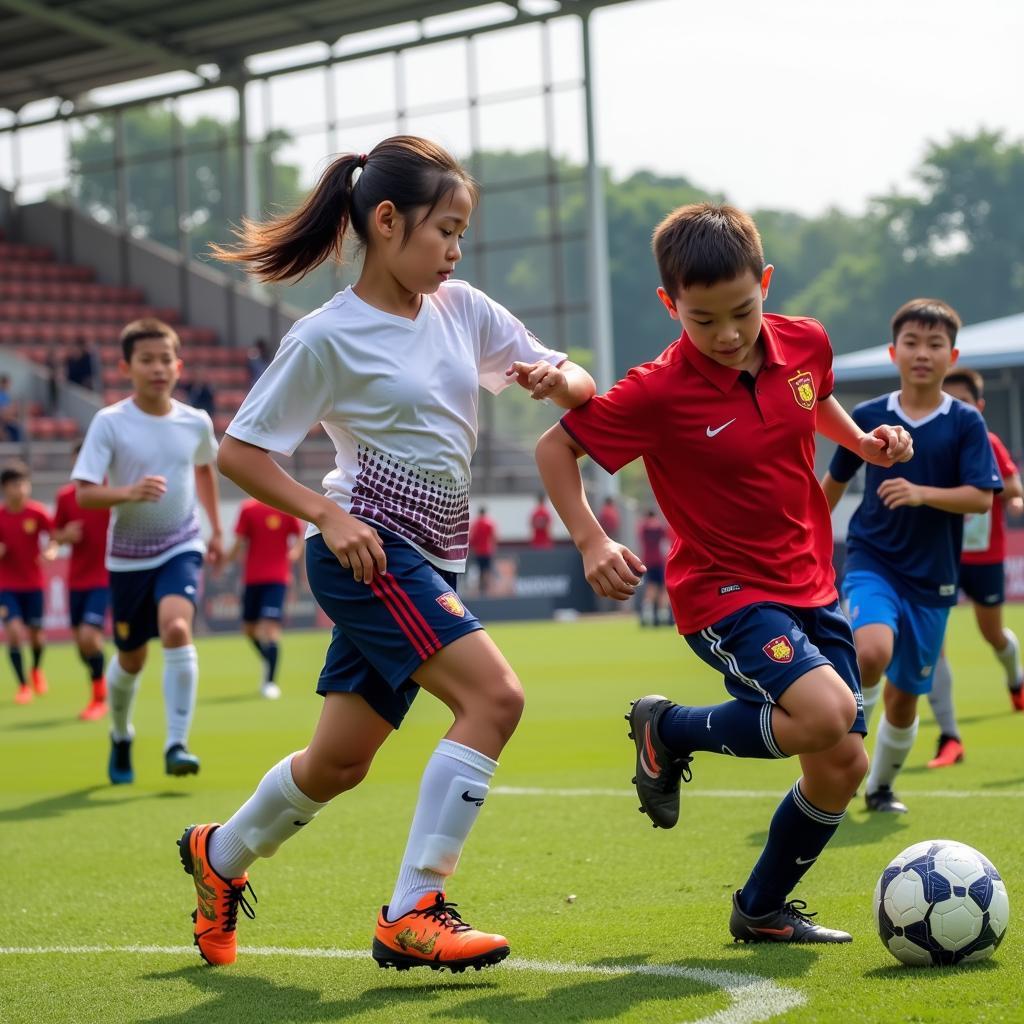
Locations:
(10, 428)
(81, 366)
(258, 359)
(609, 518)
(653, 536)
(483, 544)
(540, 524)
(199, 394)
(52, 371)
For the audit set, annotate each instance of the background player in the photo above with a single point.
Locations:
(23, 522)
(724, 420)
(653, 537)
(272, 543)
(155, 454)
(85, 530)
(903, 544)
(982, 579)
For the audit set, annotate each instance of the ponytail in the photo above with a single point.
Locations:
(406, 170)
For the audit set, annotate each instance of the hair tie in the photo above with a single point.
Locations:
(361, 162)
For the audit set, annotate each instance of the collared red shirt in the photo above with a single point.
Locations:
(730, 458)
(88, 555)
(269, 533)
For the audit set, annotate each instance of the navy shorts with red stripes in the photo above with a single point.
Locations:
(384, 631)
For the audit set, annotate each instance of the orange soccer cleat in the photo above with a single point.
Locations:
(218, 899)
(951, 751)
(23, 695)
(1017, 697)
(39, 683)
(93, 710)
(433, 935)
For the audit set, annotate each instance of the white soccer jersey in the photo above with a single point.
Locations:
(398, 398)
(124, 444)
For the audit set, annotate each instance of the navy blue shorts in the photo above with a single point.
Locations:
(984, 584)
(385, 631)
(263, 601)
(89, 607)
(763, 648)
(655, 575)
(135, 596)
(26, 605)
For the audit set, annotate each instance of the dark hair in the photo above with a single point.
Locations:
(406, 170)
(970, 379)
(704, 243)
(13, 471)
(931, 313)
(141, 330)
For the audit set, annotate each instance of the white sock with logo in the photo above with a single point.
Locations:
(891, 748)
(871, 695)
(123, 687)
(275, 812)
(1009, 658)
(181, 680)
(453, 789)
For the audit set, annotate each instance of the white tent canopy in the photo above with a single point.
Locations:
(993, 344)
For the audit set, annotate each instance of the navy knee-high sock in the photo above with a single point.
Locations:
(798, 833)
(94, 663)
(37, 656)
(270, 652)
(17, 663)
(737, 727)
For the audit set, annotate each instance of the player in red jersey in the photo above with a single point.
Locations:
(724, 420)
(540, 524)
(982, 579)
(22, 525)
(85, 529)
(272, 542)
(653, 537)
(483, 546)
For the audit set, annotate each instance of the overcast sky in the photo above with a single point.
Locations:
(796, 104)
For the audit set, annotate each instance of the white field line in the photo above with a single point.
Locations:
(753, 998)
(752, 794)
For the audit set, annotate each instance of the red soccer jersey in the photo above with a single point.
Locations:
(88, 554)
(21, 534)
(996, 525)
(652, 535)
(730, 458)
(540, 523)
(268, 532)
(483, 536)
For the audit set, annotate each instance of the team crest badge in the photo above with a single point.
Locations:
(29, 525)
(451, 604)
(273, 522)
(123, 629)
(779, 649)
(803, 390)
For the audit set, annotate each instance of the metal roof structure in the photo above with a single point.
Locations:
(992, 344)
(64, 48)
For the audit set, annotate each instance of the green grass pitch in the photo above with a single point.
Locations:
(92, 871)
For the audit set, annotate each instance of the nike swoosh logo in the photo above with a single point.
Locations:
(783, 933)
(471, 799)
(710, 713)
(810, 860)
(650, 764)
(300, 823)
(718, 430)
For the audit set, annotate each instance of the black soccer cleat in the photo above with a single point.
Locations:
(790, 924)
(179, 761)
(658, 769)
(885, 800)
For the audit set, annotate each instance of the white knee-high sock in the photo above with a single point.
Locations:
(275, 812)
(181, 680)
(941, 699)
(123, 686)
(892, 745)
(1009, 658)
(452, 792)
(871, 695)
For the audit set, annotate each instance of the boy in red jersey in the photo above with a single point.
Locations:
(85, 529)
(266, 535)
(982, 579)
(540, 524)
(483, 545)
(724, 420)
(22, 525)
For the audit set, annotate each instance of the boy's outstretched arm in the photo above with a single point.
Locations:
(568, 385)
(611, 568)
(883, 446)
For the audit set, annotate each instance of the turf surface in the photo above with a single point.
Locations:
(92, 868)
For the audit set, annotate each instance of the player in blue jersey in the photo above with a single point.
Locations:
(903, 546)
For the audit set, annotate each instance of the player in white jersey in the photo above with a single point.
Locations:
(147, 457)
(392, 368)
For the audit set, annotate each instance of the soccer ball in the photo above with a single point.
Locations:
(941, 902)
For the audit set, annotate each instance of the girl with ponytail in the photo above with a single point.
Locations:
(392, 368)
